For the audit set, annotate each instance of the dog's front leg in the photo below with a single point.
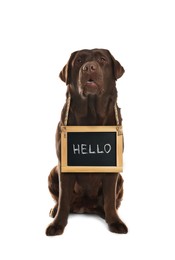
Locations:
(109, 191)
(67, 182)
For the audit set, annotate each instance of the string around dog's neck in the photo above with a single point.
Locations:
(68, 107)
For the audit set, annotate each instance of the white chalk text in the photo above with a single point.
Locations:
(91, 149)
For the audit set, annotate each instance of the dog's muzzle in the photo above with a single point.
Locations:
(90, 79)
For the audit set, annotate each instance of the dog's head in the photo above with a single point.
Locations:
(91, 72)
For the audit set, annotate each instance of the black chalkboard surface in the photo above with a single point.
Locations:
(91, 149)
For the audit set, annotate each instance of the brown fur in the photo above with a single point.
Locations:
(90, 76)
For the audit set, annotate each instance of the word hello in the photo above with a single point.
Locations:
(91, 149)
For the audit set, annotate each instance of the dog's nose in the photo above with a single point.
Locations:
(89, 66)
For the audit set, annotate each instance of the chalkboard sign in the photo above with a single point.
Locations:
(91, 149)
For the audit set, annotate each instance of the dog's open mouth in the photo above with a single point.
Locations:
(90, 88)
(91, 83)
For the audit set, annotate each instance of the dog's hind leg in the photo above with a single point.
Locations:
(67, 183)
(119, 191)
(53, 185)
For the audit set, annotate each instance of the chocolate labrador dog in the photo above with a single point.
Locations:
(90, 76)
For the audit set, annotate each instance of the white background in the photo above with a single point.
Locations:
(37, 38)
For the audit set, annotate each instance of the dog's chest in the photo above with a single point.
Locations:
(89, 184)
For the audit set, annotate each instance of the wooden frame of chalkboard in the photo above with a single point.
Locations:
(91, 149)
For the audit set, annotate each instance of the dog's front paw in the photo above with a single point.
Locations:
(118, 227)
(53, 230)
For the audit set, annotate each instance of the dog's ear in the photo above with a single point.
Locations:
(65, 74)
(118, 69)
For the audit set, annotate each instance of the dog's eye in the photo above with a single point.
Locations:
(79, 61)
(102, 59)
